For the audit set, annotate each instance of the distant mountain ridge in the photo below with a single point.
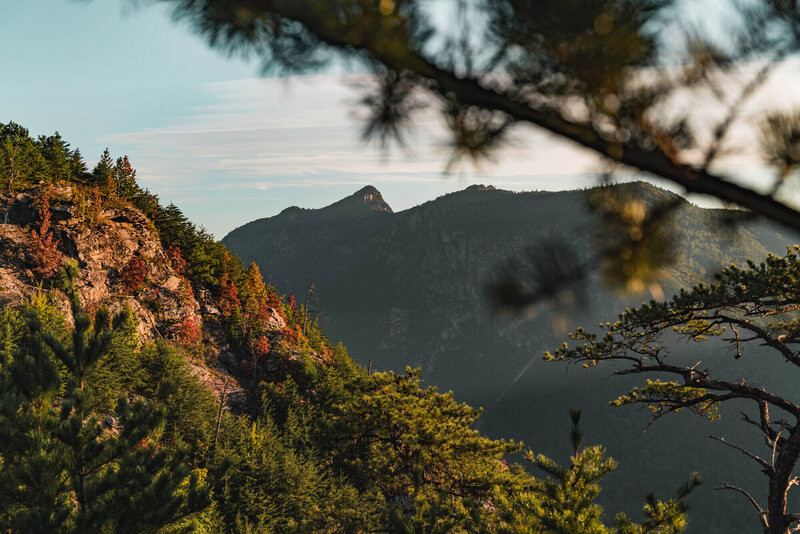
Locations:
(409, 288)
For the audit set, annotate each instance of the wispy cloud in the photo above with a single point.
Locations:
(258, 128)
(288, 136)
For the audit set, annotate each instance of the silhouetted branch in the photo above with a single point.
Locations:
(761, 513)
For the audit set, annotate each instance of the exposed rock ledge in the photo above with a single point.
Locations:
(102, 249)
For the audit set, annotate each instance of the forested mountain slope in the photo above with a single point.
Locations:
(410, 288)
(150, 382)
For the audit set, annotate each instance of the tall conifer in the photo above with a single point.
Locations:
(104, 169)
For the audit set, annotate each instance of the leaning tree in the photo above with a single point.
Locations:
(744, 308)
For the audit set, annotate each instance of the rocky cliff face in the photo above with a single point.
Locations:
(103, 237)
(102, 243)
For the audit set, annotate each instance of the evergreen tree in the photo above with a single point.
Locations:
(78, 168)
(19, 155)
(120, 369)
(755, 305)
(190, 406)
(255, 312)
(62, 469)
(104, 170)
(124, 178)
(563, 501)
(57, 157)
(409, 451)
(254, 286)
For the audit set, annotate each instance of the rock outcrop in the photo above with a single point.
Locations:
(102, 243)
(103, 239)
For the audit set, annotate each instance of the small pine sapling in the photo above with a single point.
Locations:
(564, 500)
(63, 470)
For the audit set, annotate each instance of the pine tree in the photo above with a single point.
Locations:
(756, 305)
(563, 501)
(124, 178)
(120, 369)
(191, 407)
(255, 299)
(57, 156)
(104, 170)
(78, 168)
(19, 156)
(63, 470)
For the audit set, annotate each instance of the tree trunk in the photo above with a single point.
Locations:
(788, 453)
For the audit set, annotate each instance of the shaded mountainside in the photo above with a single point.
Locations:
(115, 422)
(409, 288)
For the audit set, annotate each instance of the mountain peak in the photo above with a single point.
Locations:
(481, 187)
(364, 201)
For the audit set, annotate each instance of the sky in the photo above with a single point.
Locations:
(207, 132)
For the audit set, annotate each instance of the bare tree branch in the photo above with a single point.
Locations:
(761, 513)
(763, 463)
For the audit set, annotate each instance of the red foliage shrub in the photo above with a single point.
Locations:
(228, 297)
(133, 274)
(43, 254)
(177, 261)
(292, 335)
(273, 300)
(263, 312)
(289, 335)
(261, 347)
(292, 301)
(190, 334)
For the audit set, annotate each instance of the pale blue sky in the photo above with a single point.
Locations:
(206, 133)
